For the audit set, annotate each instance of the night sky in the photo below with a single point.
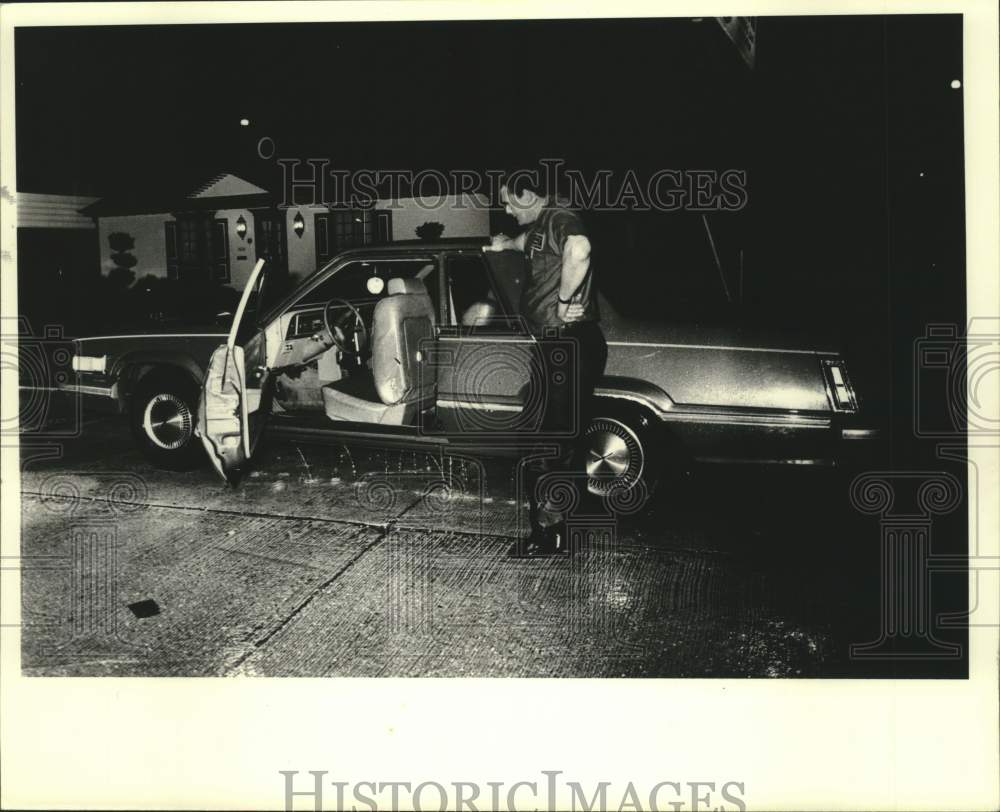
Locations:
(100, 108)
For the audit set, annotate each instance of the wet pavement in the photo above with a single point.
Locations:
(340, 562)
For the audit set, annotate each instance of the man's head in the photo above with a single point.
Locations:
(524, 196)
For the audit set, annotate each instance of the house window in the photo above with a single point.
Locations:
(189, 242)
(197, 248)
(351, 228)
(342, 229)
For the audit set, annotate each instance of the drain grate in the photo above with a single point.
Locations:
(146, 608)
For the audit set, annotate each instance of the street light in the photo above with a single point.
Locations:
(241, 227)
(298, 224)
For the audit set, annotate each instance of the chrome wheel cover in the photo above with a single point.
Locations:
(615, 457)
(167, 421)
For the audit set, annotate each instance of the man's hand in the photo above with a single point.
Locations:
(499, 242)
(570, 312)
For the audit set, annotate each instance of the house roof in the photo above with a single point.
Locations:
(52, 211)
(228, 185)
(222, 191)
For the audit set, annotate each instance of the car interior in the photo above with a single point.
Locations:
(354, 346)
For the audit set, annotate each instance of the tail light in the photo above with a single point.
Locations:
(838, 386)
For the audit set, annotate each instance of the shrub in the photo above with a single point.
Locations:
(430, 231)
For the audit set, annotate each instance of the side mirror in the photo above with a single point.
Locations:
(224, 318)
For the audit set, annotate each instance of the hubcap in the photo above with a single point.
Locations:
(167, 421)
(614, 456)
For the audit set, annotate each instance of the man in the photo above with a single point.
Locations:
(559, 302)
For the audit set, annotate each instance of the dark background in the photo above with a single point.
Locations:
(834, 126)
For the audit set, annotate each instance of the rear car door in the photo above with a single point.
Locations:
(236, 393)
(484, 353)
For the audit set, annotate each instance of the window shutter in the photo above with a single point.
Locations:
(321, 224)
(173, 264)
(220, 251)
(383, 226)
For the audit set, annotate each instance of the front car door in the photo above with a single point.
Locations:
(236, 393)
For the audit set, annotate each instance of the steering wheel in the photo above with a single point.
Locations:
(346, 329)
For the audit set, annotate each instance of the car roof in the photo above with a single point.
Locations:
(415, 247)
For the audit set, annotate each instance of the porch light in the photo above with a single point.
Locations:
(298, 224)
(241, 227)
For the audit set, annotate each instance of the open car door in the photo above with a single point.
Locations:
(236, 393)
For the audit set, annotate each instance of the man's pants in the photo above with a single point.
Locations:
(569, 365)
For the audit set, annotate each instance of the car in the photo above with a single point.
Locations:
(420, 346)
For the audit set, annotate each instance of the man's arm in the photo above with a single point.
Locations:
(575, 264)
(501, 242)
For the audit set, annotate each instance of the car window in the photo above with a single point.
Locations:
(472, 299)
(676, 271)
(351, 281)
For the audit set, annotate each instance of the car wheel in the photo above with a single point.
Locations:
(164, 410)
(619, 461)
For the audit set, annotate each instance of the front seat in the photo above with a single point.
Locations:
(402, 383)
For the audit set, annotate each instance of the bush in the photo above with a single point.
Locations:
(121, 275)
(121, 242)
(430, 231)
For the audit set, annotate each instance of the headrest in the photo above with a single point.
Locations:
(398, 285)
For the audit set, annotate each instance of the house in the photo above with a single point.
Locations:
(218, 230)
(53, 237)
(57, 255)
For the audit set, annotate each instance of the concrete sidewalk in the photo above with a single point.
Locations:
(335, 562)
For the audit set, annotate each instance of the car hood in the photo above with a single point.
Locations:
(159, 330)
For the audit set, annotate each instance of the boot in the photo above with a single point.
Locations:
(544, 542)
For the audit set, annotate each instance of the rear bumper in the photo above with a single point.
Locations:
(861, 435)
(862, 447)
